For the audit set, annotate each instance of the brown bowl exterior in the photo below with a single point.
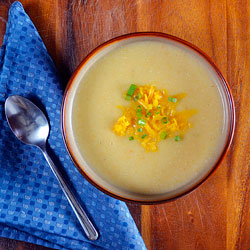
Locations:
(190, 46)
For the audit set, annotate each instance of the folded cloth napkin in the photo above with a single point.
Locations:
(33, 207)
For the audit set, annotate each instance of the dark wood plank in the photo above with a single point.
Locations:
(238, 53)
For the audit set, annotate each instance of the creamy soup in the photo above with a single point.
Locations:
(125, 164)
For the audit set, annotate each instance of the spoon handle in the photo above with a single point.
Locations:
(85, 222)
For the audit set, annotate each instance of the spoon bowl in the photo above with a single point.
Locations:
(26, 121)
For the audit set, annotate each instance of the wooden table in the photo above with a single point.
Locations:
(217, 214)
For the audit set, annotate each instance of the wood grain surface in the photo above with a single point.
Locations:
(216, 216)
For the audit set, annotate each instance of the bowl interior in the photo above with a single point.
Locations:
(82, 163)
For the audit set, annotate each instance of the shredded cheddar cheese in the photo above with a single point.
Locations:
(151, 116)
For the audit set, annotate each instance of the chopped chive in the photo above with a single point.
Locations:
(177, 138)
(128, 98)
(139, 108)
(141, 122)
(172, 99)
(139, 129)
(131, 138)
(148, 114)
(143, 136)
(131, 90)
(164, 120)
(164, 135)
(139, 114)
(137, 97)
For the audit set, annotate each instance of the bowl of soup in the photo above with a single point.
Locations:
(147, 117)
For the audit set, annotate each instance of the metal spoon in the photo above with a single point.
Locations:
(30, 126)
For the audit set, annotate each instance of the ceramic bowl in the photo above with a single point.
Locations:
(67, 105)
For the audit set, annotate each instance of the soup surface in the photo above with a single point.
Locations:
(124, 163)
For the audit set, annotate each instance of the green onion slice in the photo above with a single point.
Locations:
(131, 138)
(141, 122)
(163, 135)
(177, 138)
(172, 99)
(143, 136)
(139, 108)
(139, 96)
(131, 90)
(139, 129)
(139, 114)
(164, 120)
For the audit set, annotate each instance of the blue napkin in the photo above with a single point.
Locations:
(32, 206)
